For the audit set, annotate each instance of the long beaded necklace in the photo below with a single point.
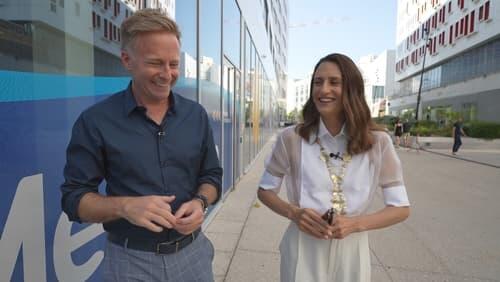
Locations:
(338, 200)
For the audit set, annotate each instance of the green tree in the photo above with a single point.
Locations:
(293, 116)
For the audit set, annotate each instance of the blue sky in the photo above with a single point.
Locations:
(352, 27)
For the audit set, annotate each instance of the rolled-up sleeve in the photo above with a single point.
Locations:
(210, 169)
(391, 175)
(276, 167)
(84, 169)
(269, 181)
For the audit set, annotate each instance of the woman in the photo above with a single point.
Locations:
(398, 131)
(334, 161)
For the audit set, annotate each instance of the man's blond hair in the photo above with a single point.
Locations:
(144, 21)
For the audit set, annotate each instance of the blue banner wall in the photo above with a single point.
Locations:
(37, 112)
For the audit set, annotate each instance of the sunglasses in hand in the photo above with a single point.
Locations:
(328, 216)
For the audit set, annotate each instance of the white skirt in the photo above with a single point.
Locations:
(305, 258)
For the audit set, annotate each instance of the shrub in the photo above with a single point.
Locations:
(424, 128)
(428, 124)
(421, 130)
(477, 129)
(386, 121)
(482, 129)
(443, 131)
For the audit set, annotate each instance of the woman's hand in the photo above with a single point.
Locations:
(342, 226)
(309, 221)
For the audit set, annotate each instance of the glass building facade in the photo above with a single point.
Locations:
(478, 62)
(58, 57)
(451, 50)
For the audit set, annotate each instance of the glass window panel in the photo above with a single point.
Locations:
(253, 84)
(228, 85)
(210, 65)
(247, 134)
(239, 126)
(185, 16)
(231, 25)
(483, 62)
(495, 56)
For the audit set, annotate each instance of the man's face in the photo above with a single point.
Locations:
(153, 61)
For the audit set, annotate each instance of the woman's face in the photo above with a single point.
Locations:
(327, 90)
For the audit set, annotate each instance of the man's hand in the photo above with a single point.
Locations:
(150, 212)
(189, 217)
(310, 222)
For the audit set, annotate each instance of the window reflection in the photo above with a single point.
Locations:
(231, 26)
(210, 63)
(67, 56)
(186, 85)
(247, 134)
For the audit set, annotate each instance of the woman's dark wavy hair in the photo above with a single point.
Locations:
(357, 114)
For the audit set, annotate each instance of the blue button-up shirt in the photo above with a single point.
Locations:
(116, 141)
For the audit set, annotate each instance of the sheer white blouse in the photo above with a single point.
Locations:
(307, 179)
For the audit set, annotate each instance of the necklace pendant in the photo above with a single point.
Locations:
(347, 158)
(338, 199)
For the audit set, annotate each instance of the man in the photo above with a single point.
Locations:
(155, 150)
(457, 133)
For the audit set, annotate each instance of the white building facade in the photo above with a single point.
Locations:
(298, 93)
(66, 23)
(462, 61)
(378, 76)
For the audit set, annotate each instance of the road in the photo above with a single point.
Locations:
(452, 234)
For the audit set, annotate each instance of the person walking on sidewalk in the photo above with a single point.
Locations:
(156, 152)
(457, 133)
(406, 133)
(398, 131)
(333, 163)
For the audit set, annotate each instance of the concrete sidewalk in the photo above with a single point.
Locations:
(451, 235)
(245, 233)
(473, 149)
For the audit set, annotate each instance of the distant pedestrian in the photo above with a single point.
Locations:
(334, 162)
(406, 133)
(413, 143)
(441, 123)
(398, 131)
(457, 133)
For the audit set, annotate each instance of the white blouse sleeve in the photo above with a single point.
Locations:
(269, 181)
(391, 175)
(276, 167)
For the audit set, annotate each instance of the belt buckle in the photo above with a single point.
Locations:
(168, 243)
(176, 242)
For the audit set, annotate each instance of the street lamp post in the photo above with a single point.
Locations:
(426, 34)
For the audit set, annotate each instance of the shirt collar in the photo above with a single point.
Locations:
(322, 132)
(131, 104)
